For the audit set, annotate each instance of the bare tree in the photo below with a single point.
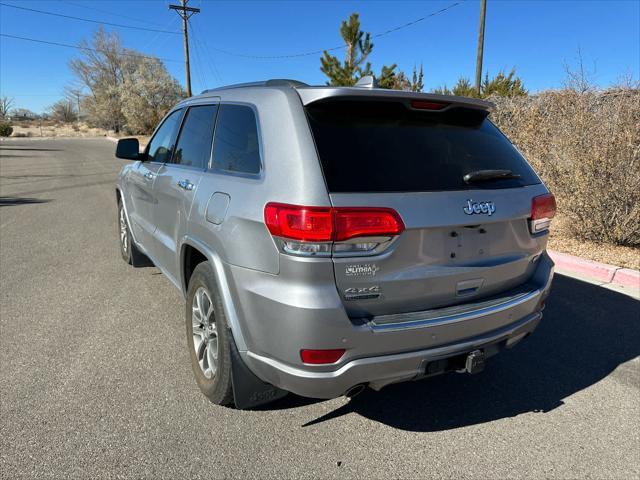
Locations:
(579, 78)
(127, 90)
(101, 69)
(6, 104)
(147, 94)
(75, 95)
(63, 111)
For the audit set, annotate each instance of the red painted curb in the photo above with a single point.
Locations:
(596, 270)
(599, 271)
(628, 277)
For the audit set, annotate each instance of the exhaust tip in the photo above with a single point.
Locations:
(353, 391)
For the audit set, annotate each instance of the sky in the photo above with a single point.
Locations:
(538, 38)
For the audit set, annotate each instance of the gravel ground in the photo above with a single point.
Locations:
(560, 240)
(95, 380)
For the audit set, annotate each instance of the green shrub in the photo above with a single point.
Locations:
(5, 129)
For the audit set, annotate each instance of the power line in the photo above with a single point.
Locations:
(226, 52)
(204, 47)
(198, 64)
(113, 14)
(120, 25)
(157, 39)
(320, 52)
(410, 24)
(84, 48)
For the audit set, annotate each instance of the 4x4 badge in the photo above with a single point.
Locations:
(477, 208)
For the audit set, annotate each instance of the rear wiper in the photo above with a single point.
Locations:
(485, 175)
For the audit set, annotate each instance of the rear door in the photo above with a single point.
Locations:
(176, 183)
(463, 240)
(143, 176)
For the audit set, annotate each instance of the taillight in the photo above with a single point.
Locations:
(366, 222)
(308, 224)
(319, 357)
(543, 209)
(321, 230)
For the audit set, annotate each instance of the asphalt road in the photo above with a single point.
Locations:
(95, 379)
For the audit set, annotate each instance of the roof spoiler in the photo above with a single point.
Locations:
(275, 82)
(310, 95)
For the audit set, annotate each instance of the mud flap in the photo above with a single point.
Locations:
(248, 390)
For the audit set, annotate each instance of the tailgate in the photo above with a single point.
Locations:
(444, 257)
(466, 236)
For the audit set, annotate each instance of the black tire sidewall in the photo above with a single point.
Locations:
(217, 389)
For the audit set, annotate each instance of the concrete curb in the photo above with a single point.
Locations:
(595, 270)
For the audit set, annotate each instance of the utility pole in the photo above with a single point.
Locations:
(78, 103)
(186, 13)
(483, 11)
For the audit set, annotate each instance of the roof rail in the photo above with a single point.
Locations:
(276, 82)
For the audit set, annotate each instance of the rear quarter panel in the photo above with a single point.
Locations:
(290, 174)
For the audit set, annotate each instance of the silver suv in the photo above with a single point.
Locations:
(327, 239)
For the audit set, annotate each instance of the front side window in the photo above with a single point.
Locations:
(236, 146)
(194, 144)
(162, 143)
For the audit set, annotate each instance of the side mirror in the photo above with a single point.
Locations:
(129, 149)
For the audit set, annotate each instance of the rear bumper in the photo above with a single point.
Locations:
(382, 370)
(278, 321)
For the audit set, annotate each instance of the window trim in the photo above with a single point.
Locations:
(219, 171)
(155, 132)
(184, 117)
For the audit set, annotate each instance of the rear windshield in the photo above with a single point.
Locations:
(387, 147)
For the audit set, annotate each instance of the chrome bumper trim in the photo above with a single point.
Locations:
(459, 317)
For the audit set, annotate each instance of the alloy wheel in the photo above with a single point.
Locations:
(205, 333)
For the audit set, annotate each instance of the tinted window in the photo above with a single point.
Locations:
(162, 142)
(236, 144)
(194, 143)
(387, 147)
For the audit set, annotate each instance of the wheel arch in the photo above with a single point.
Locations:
(190, 247)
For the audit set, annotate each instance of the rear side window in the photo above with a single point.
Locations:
(387, 147)
(194, 144)
(236, 146)
(162, 143)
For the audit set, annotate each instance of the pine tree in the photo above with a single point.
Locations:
(502, 85)
(417, 85)
(358, 47)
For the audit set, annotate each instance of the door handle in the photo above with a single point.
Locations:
(149, 176)
(185, 185)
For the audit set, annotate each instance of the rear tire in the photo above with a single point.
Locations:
(208, 337)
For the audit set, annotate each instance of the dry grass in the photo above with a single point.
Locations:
(562, 240)
(586, 148)
(55, 129)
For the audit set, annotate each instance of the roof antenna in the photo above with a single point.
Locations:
(368, 81)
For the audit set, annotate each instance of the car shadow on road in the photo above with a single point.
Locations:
(586, 333)
(13, 201)
(27, 149)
